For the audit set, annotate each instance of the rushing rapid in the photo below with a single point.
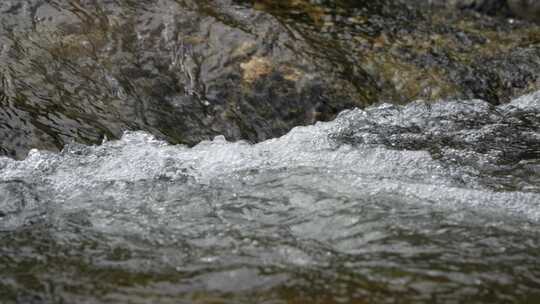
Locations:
(419, 203)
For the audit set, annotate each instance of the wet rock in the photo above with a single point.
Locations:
(523, 9)
(414, 50)
(490, 7)
(187, 71)
(527, 9)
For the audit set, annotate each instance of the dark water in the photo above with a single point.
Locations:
(417, 204)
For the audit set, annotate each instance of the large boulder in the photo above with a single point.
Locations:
(190, 70)
(184, 71)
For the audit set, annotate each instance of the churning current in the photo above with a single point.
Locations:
(422, 203)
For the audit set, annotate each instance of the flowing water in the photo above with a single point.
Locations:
(423, 203)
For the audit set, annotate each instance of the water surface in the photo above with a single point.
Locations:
(420, 203)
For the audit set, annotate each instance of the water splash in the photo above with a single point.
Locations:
(424, 200)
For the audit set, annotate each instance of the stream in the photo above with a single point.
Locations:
(422, 203)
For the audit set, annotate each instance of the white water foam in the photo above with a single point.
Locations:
(386, 149)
